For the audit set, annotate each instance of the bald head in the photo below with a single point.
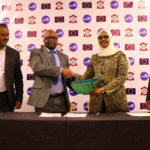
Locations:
(50, 39)
(50, 32)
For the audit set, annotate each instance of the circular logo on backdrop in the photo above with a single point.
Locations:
(143, 32)
(29, 90)
(31, 47)
(19, 7)
(130, 76)
(73, 62)
(60, 33)
(116, 45)
(131, 61)
(129, 33)
(143, 47)
(100, 5)
(73, 47)
(144, 76)
(73, 19)
(73, 5)
(114, 4)
(32, 20)
(72, 93)
(45, 19)
(86, 61)
(144, 91)
(87, 18)
(59, 47)
(18, 47)
(128, 18)
(18, 34)
(114, 18)
(87, 33)
(59, 5)
(32, 6)
(131, 106)
(6, 20)
(85, 106)
(99, 30)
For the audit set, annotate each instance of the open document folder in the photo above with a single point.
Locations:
(84, 87)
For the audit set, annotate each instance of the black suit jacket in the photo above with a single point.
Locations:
(13, 76)
(148, 93)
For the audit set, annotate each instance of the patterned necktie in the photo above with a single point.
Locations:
(55, 79)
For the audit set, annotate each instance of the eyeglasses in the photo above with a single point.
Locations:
(53, 38)
(3, 34)
(101, 37)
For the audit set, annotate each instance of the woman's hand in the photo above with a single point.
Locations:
(96, 92)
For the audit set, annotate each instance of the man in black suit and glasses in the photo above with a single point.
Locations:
(10, 74)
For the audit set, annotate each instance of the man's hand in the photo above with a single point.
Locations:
(18, 105)
(96, 92)
(67, 73)
(147, 104)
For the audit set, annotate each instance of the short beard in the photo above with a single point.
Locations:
(51, 48)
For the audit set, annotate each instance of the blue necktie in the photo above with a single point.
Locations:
(55, 79)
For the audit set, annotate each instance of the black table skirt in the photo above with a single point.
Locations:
(115, 131)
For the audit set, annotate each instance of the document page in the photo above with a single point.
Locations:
(139, 114)
(50, 115)
(75, 115)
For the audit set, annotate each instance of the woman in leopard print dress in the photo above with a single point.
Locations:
(110, 64)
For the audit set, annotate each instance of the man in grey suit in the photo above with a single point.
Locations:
(49, 92)
(10, 74)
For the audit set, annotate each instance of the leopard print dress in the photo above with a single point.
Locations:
(113, 70)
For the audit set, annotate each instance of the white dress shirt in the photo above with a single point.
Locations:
(2, 70)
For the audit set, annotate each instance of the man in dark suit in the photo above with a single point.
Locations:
(49, 92)
(10, 74)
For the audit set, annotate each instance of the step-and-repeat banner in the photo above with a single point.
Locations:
(77, 24)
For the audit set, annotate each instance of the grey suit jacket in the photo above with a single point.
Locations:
(44, 72)
(13, 76)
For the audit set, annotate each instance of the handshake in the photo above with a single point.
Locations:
(67, 73)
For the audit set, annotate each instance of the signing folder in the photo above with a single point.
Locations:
(84, 87)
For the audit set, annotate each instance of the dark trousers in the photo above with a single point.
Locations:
(54, 105)
(104, 110)
(4, 102)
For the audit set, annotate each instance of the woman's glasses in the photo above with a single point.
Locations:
(101, 37)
